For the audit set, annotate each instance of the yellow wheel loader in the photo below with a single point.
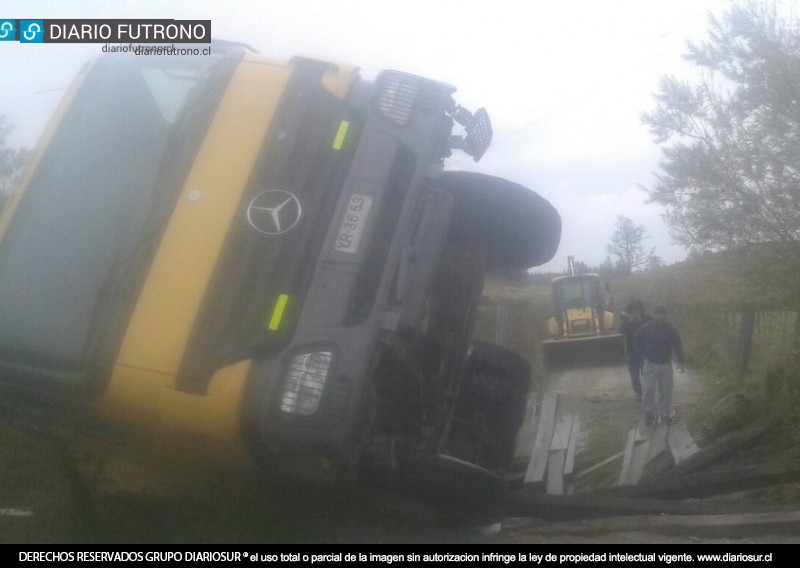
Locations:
(581, 330)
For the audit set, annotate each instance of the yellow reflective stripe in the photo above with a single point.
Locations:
(338, 142)
(277, 313)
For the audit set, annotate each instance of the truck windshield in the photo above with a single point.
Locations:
(87, 203)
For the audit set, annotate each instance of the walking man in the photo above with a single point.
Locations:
(655, 341)
(632, 319)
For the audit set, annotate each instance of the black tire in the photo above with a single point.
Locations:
(488, 390)
(522, 228)
(490, 359)
(496, 387)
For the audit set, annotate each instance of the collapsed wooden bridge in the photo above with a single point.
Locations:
(664, 481)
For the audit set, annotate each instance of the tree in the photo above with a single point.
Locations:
(12, 161)
(697, 254)
(627, 245)
(730, 174)
(654, 262)
(607, 267)
(583, 268)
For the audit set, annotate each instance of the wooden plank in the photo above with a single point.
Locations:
(561, 434)
(658, 441)
(642, 432)
(569, 465)
(637, 450)
(593, 506)
(628, 456)
(681, 444)
(601, 464)
(555, 472)
(659, 458)
(641, 450)
(716, 482)
(527, 432)
(722, 446)
(544, 435)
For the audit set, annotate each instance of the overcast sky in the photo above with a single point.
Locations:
(564, 81)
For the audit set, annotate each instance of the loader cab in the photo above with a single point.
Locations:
(577, 292)
(579, 303)
(581, 329)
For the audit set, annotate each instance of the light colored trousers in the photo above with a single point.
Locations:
(656, 388)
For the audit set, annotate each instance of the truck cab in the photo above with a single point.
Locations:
(237, 262)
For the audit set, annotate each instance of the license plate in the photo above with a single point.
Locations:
(355, 219)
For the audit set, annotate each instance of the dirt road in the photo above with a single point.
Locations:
(605, 401)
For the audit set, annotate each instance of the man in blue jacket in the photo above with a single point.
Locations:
(655, 340)
(632, 319)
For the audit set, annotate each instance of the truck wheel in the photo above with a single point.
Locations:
(522, 227)
(493, 414)
(510, 367)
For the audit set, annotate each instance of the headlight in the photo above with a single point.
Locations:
(306, 382)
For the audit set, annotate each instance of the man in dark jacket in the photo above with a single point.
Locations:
(655, 341)
(632, 319)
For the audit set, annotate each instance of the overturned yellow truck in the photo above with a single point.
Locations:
(227, 262)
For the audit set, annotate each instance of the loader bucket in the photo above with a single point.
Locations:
(592, 351)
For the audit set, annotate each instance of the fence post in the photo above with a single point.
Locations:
(746, 339)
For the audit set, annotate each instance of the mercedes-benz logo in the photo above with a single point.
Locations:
(274, 212)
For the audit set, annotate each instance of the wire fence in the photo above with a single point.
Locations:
(738, 339)
(733, 340)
